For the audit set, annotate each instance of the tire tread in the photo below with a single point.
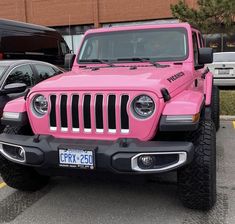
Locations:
(197, 181)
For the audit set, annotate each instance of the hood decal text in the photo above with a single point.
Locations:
(175, 77)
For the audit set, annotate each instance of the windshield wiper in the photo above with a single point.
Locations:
(102, 61)
(154, 63)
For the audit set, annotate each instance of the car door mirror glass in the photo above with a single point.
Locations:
(14, 88)
(205, 55)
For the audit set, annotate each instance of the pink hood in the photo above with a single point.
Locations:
(106, 81)
(121, 78)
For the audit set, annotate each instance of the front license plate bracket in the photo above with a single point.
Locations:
(81, 157)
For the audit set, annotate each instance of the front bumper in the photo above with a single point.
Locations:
(119, 156)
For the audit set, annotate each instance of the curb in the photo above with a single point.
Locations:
(227, 117)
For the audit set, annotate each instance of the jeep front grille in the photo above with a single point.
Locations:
(89, 113)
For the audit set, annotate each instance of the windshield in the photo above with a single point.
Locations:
(2, 69)
(165, 44)
(224, 57)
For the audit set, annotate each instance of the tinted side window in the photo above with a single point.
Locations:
(48, 45)
(16, 42)
(195, 48)
(64, 48)
(45, 72)
(21, 74)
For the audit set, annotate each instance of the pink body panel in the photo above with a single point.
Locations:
(186, 103)
(17, 105)
(138, 128)
(119, 79)
(186, 98)
(208, 83)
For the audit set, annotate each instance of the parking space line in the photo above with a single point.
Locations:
(2, 185)
(233, 124)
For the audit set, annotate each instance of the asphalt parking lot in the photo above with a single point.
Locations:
(122, 199)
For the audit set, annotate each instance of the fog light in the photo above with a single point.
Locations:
(13, 152)
(21, 153)
(146, 162)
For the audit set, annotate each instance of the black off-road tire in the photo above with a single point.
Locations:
(18, 176)
(215, 107)
(17, 130)
(197, 181)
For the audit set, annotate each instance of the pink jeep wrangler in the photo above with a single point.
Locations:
(137, 101)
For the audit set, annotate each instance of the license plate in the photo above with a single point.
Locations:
(223, 71)
(76, 158)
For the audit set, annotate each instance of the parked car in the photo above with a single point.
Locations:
(223, 68)
(129, 106)
(16, 72)
(20, 40)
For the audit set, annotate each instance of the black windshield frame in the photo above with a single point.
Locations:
(180, 29)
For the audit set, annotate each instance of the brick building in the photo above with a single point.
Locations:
(73, 17)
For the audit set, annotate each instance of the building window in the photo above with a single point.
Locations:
(229, 43)
(68, 40)
(73, 35)
(73, 41)
(220, 42)
(77, 39)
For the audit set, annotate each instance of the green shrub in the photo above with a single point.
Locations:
(227, 102)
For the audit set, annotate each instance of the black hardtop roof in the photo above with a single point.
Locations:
(35, 27)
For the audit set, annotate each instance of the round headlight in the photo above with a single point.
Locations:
(40, 105)
(143, 106)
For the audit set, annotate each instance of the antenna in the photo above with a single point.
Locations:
(72, 45)
(69, 26)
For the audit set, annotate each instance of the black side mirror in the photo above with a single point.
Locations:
(205, 56)
(13, 88)
(68, 61)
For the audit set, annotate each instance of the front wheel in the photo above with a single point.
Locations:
(197, 181)
(19, 176)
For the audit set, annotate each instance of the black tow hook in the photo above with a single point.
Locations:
(36, 139)
(124, 143)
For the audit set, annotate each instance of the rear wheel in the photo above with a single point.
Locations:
(18, 176)
(197, 181)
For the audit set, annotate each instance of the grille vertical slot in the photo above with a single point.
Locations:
(53, 113)
(124, 115)
(87, 113)
(63, 113)
(75, 115)
(99, 113)
(112, 114)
